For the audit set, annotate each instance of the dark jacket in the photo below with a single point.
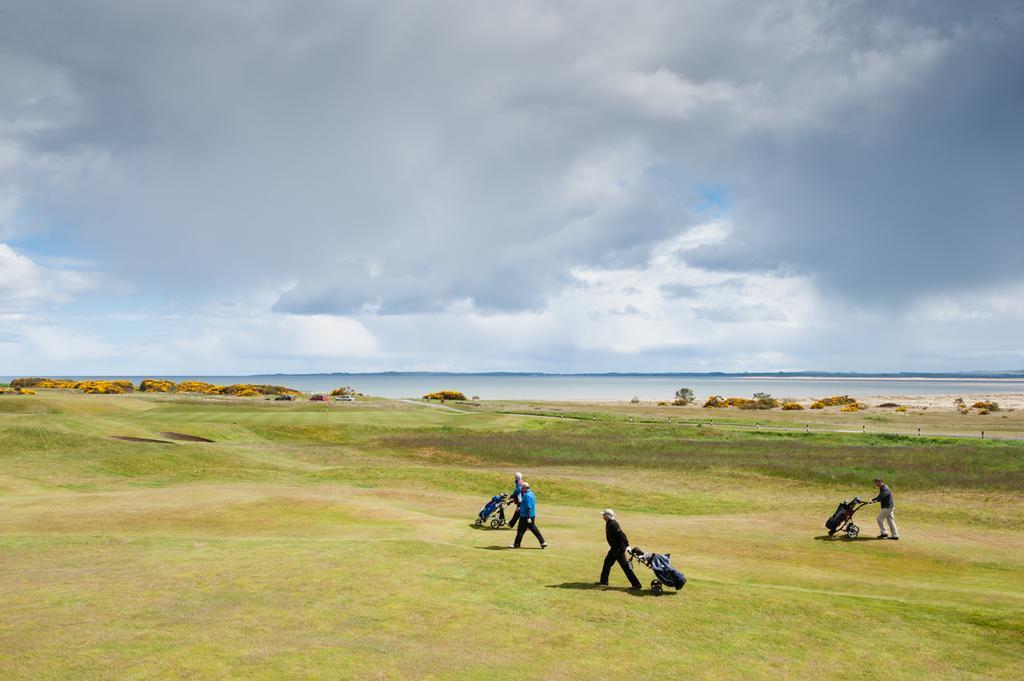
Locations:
(616, 537)
(885, 496)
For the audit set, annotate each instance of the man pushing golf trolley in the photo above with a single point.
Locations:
(842, 519)
(619, 551)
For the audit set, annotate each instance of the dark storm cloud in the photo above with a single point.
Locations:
(923, 195)
(401, 158)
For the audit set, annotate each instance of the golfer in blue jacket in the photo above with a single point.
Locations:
(528, 517)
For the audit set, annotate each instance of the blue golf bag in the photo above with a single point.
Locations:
(493, 510)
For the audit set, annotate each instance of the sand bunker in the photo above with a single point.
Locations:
(128, 438)
(183, 437)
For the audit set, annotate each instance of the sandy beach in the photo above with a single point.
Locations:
(942, 402)
(1006, 401)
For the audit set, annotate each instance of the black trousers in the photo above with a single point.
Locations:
(514, 518)
(618, 556)
(524, 524)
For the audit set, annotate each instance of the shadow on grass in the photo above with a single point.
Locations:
(488, 527)
(506, 548)
(844, 538)
(588, 586)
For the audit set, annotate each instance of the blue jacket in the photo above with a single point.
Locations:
(529, 506)
(517, 493)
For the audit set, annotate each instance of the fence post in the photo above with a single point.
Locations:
(983, 435)
(807, 427)
(919, 431)
(863, 428)
(757, 425)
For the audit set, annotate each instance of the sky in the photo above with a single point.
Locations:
(688, 185)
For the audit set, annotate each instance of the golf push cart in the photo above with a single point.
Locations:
(842, 519)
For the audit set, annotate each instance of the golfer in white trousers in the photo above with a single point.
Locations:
(886, 514)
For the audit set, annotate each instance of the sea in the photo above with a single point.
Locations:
(612, 387)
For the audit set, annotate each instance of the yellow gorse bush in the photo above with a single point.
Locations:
(152, 385)
(106, 387)
(446, 395)
(157, 385)
(837, 401)
(257, 388)
(116, 387)
(200, 387)
(236, 389)
(792, 406)
(818, 405)
(852, 406)
(761, 401)
(58, 383)
(986, 406)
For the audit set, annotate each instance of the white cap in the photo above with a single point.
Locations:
(519, 476)
(525, 485)
(608, 512)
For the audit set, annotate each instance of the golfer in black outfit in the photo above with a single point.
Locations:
(618, 545)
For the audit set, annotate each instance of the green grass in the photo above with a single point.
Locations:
(336, 542)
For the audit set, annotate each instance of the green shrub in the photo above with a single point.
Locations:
(684, 396)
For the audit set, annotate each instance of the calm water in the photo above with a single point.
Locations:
(575, 387)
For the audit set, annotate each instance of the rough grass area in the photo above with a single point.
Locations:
(336, 542)
(919, 463)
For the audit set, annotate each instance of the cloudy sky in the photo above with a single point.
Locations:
(698, 185)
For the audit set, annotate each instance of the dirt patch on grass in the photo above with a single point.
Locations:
(128, 438)
(183, 437)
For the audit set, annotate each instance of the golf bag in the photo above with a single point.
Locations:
(493, 510)
(661, 566)
(842, 519)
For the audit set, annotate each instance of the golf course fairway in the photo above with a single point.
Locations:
(334, 542)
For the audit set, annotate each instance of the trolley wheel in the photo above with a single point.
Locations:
(656, 588)
(495, 523)
(479, 522)
(852, 531)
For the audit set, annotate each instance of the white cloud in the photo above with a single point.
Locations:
(24, 284)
